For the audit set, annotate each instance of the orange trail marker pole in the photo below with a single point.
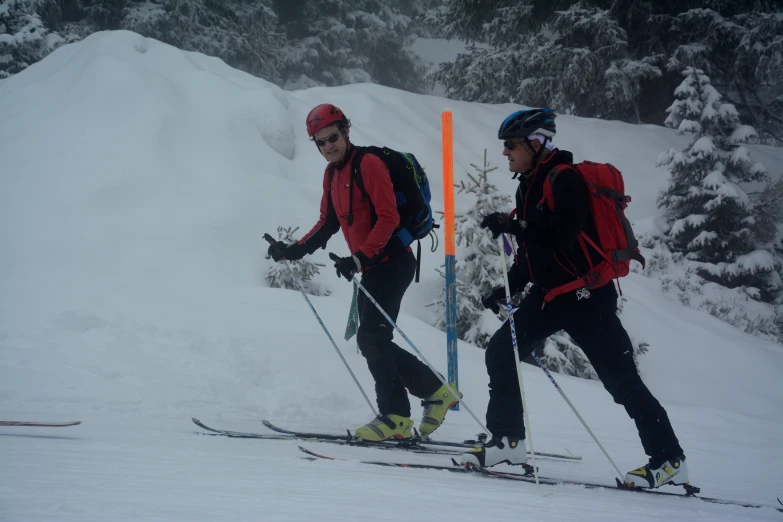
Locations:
(451, 276)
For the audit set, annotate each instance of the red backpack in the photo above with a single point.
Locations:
(617, 244)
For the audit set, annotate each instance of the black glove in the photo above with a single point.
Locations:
(348, 266)
(279, 251)
(492, 300)
(500, 223)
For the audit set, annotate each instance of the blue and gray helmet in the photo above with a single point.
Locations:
(522, 124)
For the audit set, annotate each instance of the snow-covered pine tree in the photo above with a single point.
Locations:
(336, 42)
(756, 70)
(478, 260)
(556, 53)
(712, 221)
(540, 56)
(768, 228)
(242, 33)
(279, 276)
(24, 39)
(593, 50)
(739, 46)
(495, 70)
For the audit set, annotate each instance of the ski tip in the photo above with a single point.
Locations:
(40, 424)
(318, 455)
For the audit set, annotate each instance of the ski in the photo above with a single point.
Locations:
(454, 468)
(40, 424)
(529, 478)
(415, 445)
(344, 440)
(469, 444)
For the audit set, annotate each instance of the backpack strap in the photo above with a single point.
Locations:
(356, 169)
(548, 197)
(356, 176)
(418, 260)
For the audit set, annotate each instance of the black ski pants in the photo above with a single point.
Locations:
(593, 323)
(393, 368)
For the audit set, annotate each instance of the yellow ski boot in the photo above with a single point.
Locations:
(654, 475)
(384, 427)
(435, 408)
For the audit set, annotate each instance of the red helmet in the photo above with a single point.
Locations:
(324, 115)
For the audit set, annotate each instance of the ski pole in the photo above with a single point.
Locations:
(562, 393)
(510, 307)
(335, 257)
(272, 241)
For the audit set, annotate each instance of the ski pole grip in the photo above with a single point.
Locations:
(333, 256)
(270, 239)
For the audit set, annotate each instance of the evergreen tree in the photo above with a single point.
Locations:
(302, 270)
(337, 42)
(742, 52)
(497, 23)
(495, 71)
(242, 33)
(593, 50)
(24, 38)
(712, 214)
(768, 228)
(478, 260)
(558, 53)
(543, 57)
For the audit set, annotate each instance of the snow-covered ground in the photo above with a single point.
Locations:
(136, 181)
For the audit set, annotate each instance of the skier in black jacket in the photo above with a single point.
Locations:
(550, 257)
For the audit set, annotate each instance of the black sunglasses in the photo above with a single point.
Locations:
(510, 145)
(329, 139)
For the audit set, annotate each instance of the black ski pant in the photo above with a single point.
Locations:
(393, 368)
(593, 323)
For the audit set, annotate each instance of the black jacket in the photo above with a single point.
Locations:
(549, 254)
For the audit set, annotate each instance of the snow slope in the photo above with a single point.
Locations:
(136, 181)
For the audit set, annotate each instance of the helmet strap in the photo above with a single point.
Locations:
(537, 154)
(536, 157)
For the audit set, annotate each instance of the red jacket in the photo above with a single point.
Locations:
(363, 235)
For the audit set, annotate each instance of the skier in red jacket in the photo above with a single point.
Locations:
(368, 223)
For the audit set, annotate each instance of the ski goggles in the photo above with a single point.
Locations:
(329, 139)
